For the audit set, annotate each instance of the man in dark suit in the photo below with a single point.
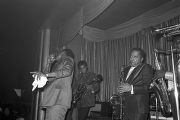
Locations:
(136, 81)
(87, 79)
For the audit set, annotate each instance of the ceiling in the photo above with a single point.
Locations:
(55, 12)
(121, 11)
(118, 12)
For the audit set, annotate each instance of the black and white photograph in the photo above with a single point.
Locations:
(90, 60)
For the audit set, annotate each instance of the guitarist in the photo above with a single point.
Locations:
(85, 78)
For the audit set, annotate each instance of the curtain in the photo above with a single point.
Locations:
(98, 7)
(84, 15)
(150, 18)
(107, 57)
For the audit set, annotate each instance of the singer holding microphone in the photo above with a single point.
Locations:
(57, 93)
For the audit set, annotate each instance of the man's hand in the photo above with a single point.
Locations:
(51, 58)
(37, 74)
(39, 80)
(124, 88)
(90, 87)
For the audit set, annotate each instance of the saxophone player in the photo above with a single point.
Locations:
(137, 78)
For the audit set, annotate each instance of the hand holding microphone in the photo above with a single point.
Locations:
(51, 58)
(40, 78)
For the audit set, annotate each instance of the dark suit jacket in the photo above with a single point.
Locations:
(140, 78)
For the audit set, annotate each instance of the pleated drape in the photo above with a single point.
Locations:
(107, 57)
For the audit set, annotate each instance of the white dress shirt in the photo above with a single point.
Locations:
(129, 73)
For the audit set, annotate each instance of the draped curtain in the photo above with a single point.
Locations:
(107, 57)
(82, 16)
(106, 51)
(148, 19)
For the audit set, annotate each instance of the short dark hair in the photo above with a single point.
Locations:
(141, 52)
(82, 62)
(68, 52)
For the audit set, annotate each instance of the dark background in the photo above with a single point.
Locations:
(21, 21)
(19, 47)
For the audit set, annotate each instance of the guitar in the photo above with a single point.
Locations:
(83, 88)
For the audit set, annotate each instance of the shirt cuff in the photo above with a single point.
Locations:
(132, 90)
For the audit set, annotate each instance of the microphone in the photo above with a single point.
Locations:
(51, 58)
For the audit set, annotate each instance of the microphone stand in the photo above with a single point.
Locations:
(175, 84)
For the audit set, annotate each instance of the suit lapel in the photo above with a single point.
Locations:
(134, 73)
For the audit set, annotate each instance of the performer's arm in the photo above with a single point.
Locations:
(47, 68)
(65, 71)
(50, 60)
(74, 85)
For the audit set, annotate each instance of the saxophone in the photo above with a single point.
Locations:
(116, 101)
(159, 87)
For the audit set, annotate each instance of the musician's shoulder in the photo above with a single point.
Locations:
(127, 68)
(92, 73)
(68, 59)
(147, 65)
